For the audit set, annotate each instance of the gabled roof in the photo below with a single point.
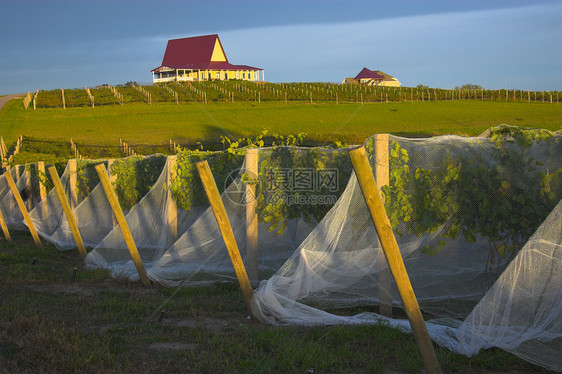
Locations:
(197, 53)
(366, 74)
(196, 50)
(385, 76)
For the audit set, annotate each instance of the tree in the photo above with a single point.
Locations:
(469, 86)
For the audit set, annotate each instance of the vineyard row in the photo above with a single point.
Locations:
(241, 91)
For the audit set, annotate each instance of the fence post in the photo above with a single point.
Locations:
(226, 230)
(72, 222)
(24, 212)
(114, 202)
(172, 208)
(251, 166)
(374, 203)
(382, 177)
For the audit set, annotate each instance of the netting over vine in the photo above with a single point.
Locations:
(461, 209)
(477, 220)
(297, 187)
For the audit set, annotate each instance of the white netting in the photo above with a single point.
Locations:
(8, 204)
(469, 215)
(93, 214)
(460, 209)
(48, 216)
(522, 312)
(93, 211)
(199, 252)
(149, 223)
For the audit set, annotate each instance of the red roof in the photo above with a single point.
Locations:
(194, 50)
(366, 74)
(195, 53)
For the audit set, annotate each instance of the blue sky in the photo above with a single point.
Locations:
(495, 43)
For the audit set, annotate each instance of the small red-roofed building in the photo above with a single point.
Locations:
(200, 58)
(373, 78)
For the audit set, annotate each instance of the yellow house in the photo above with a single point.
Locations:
(200, 58)
(373, 78)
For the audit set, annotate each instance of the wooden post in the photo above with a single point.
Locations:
(392, 253)
(72, 222)
(172, 217)
(21, 205)
(72, 181)
(62, 94)
(5, 228)
(27, 173)
(226, 230)
(3, 145)
(382, 177)
(112, 180)
(251, 165)
(1, 149)
(114, 202)
(41, 171)
(42, 189)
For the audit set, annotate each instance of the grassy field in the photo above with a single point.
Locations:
(139, 123)
(57, 317)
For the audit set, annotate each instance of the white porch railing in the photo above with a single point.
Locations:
(172, 79)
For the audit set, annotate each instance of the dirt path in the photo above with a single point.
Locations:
(5, 99)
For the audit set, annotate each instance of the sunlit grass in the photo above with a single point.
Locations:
(139, 123)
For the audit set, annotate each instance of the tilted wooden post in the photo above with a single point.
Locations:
(114, 202)
(393, 257)
(23, 210)
(251, 165)
(5, 228)
(72, 222)
(382, 177)
(226, 231)
(172, 217)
